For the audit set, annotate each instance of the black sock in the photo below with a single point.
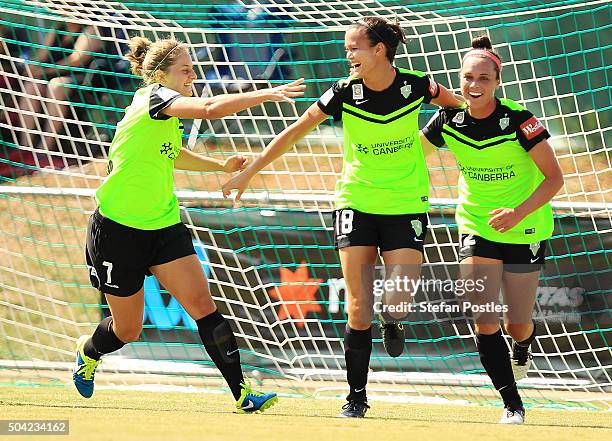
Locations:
(494, 358)
(220, 343)
(103, 341)
(357, 350)
(527, 342)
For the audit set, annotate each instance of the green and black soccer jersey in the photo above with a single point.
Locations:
(496, 170)
(139, 190)
(384, 170)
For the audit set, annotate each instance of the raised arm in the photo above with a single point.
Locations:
(223, 105)
(279, 145)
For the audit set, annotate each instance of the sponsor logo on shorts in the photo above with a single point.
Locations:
(534, 247)
(468, 241)
(94, 273)
(417, 226)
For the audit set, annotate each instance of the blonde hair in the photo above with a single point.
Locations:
(147, 57)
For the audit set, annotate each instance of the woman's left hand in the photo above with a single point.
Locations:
(505, 219)
(234, 163)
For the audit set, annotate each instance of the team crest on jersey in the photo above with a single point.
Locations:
(504, 122)
(458, 119)
(534, 247)
(357, 91)
(406, 90)
(417, 226)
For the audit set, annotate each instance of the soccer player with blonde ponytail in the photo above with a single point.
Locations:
(137, 230)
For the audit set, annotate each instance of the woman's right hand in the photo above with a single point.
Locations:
(286, 92)
(238, 182)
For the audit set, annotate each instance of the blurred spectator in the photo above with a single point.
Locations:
(70, 46)
(13, 44)
(248, 56)
(14, 51)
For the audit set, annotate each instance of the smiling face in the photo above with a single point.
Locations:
(180, 75)
(363, 58)
(478, 83)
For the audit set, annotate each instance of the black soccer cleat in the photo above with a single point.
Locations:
(354, 409)
(393, 338)
(521, 361)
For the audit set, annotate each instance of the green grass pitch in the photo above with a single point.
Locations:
(130, 415)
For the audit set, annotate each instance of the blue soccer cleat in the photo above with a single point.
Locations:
(85, 369)
(251, 401)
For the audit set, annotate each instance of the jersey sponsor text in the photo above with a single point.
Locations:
(487, 174)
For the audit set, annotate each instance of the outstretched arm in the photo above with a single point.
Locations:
(279, 145)
(188, 160)
(228, 104)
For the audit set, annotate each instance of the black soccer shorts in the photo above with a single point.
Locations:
(385, 231)
(119, 257)
(517, 258)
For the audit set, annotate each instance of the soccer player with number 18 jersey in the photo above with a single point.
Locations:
(382, 197)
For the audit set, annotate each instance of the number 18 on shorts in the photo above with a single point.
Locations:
(385, 231)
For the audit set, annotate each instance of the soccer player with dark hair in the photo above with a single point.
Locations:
(136, 229)
(382, 197)
(509, 174)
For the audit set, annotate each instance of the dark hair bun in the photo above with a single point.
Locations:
(482, 42)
